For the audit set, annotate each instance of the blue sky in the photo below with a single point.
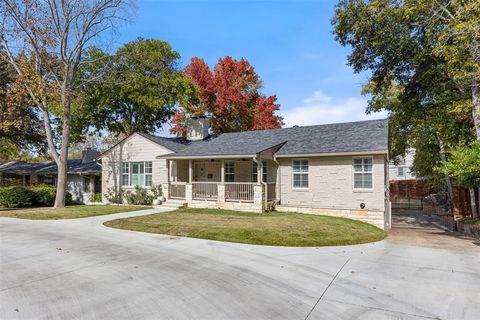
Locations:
(290, 44)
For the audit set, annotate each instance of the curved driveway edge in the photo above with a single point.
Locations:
(80, 269)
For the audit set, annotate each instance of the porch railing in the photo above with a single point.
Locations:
(271, 191)
(177, 190)
(239, 191)
(205, 190)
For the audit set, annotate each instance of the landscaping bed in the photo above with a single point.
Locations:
(274, 228)
(69, 212)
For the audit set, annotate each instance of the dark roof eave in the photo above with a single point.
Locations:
(325, 154)
(210, 156)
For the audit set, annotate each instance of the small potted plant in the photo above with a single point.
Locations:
(158, 197)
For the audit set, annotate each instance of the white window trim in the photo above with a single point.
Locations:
(130, 174)
(353, 175)
(228, 173)
(308, 173)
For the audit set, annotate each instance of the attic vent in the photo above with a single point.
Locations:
(197, 128)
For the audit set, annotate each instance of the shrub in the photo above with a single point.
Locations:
(96, 197)
(44, 195)
(469, 220)
(16, 197)
(114, 196)
(38, 195)
(157, 191)
(139, 197)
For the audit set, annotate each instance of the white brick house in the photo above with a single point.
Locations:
(336, 169)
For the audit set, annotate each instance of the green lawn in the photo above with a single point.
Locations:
(70, 212)
(275, 228)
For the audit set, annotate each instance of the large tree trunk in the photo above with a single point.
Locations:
(476, 105)
(473, 203)
(62, 162)
(475, 52)
(61, 183)
(448, 181)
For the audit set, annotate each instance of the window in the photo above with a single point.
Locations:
(363, 173)
(401, 171)
(300, 173)
(86, 184)
(125, 174)
(137, 174)
(50, 180)
(148, 174)
(229, 171)
(255, 171)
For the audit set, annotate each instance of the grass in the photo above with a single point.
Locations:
(275, 228)
(70, 212)
(470, 220)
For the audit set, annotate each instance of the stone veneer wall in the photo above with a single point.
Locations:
(377, 218)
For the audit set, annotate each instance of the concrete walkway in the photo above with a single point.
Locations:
(79, 269)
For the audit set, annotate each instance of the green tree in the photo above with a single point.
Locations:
(44, 42)
(404, 45)
(136, 88)
(20, 126)
(463, 166)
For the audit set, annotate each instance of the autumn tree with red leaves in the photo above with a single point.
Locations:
(229, 96)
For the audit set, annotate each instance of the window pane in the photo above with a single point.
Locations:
(357, 161)
(148, 180)
(124, 180)
(358, 180)
(367, 180)
(357, 167)
(135, 168)
(148, 167)
(137, 179)
(367, 160)
(125, 166)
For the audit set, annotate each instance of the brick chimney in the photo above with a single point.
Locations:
(197, 128)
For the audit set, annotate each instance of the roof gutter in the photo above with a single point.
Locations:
(278, 185)
(173, 157)
(330, 154)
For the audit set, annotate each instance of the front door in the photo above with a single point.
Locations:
(207, 171)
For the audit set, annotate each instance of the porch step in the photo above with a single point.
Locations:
(172, 203)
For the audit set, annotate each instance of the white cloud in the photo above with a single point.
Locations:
(320, 109)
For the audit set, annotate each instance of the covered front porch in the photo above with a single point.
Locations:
(248, 183)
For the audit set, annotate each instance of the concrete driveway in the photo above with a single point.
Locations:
(79, 269)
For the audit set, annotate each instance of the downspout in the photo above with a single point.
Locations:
(279, 179)
(259, 163)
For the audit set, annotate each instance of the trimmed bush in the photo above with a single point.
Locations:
(32, 196)
(16, 197)
(96, 197)
(139, 197)
(44, 195)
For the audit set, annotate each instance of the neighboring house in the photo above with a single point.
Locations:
(400, 169)
(335, 169)
(83, 177)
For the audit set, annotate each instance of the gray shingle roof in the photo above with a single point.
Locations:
(48, 167)
(174, 144)
(362, 136)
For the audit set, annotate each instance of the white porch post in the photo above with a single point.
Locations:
(166, 185)
(189, 186)
(222, 171)
(190, 171)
